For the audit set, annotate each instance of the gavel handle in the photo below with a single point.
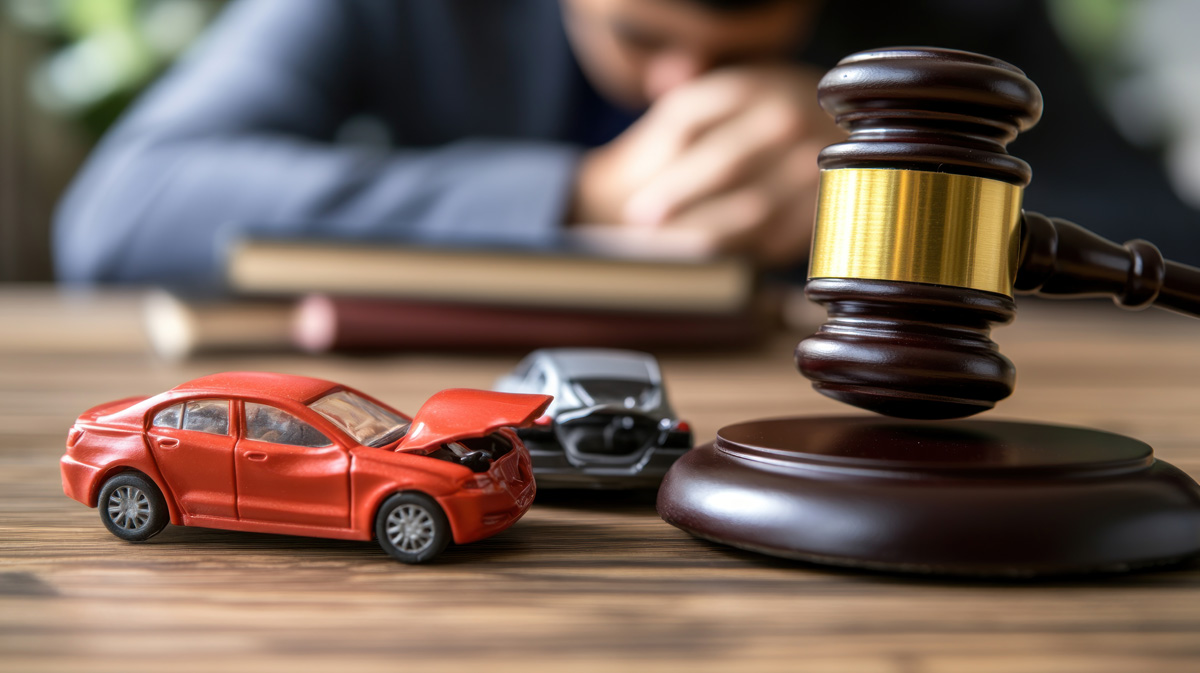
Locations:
(1061, 258)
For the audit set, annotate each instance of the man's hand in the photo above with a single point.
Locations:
(731, 155)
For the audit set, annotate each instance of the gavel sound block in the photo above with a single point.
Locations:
(920, 244)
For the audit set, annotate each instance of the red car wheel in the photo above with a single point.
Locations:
(412, 528)
(132, 507)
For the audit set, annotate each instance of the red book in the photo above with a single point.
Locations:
(325, 323)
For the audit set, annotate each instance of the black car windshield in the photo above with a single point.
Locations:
(614, 391)
(368, 423)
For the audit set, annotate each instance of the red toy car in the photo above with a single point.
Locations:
(274, 453)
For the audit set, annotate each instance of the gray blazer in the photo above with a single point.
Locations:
(242, 137)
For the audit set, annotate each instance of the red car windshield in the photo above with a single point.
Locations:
(368, 423)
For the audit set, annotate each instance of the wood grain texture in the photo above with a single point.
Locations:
(585, 582)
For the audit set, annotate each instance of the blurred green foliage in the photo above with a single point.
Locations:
(101, 53)
(1093, 30)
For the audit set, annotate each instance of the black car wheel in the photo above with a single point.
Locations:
(412, 527)
(132, 507)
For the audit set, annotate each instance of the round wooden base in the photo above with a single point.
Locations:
(986, 498)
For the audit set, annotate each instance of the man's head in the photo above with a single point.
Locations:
(633, 51)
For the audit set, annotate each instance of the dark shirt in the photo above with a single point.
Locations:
(486, 114)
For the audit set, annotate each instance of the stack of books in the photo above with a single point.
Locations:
(324, 295)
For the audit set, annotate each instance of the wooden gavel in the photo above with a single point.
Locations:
(921, 243)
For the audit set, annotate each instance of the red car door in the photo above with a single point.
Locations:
(193, 445)
(289, 472)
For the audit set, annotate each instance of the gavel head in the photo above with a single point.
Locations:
(918, 230)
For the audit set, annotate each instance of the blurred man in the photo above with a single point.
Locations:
(504, 121)
(729, 144)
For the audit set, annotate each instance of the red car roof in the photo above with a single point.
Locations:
(302, 389)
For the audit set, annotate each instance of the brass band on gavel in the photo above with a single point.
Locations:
(917, 226)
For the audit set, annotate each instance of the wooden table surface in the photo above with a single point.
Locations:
(585, 582)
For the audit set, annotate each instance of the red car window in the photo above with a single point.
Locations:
(268, 424)
(169, 417)
(211, 416)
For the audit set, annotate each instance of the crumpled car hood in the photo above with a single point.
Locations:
(458, 413)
